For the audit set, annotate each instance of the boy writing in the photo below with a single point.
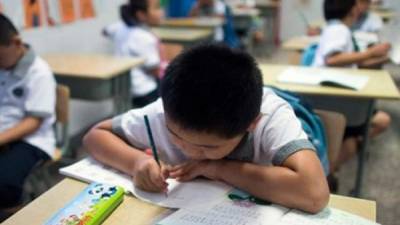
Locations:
(27, 113)
(215, 120)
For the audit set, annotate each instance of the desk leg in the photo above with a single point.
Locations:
(362, 152)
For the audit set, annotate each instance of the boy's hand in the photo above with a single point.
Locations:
(190, 170)
(149, 176)
(380, 49)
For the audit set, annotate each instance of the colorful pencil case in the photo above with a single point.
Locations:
(90, 207)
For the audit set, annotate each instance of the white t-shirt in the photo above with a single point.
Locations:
(137, 41)
(277, 135)
(336, 38)
(370, 23)
(29, 90)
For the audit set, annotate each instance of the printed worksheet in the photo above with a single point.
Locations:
(227, 212)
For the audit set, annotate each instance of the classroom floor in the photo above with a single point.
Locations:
(381, 180)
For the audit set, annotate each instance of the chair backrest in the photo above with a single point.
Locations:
(62, 117)
(334, 125)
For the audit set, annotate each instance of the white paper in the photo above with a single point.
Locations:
(180, 195)
(329, 216)
(316, 78)
(226, 213)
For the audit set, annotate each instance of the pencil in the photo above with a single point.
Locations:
(153, 146)
(150, 134)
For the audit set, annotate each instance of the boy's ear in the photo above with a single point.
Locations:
(16, 41)
(253, 124)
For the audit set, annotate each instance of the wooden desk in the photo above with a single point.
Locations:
(183, 36)
(95, 77)
(380, 86)
(204, 22)
(296, 45)
(386, 90)
(385, 13)
(133, 211)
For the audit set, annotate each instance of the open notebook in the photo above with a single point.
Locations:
(322, 78)
(231, 213)
(180, 195)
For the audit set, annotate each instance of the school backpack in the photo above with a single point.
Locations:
(310, 122)
(308, 56)
(230, 36)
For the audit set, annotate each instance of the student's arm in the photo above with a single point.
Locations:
(108, 148)
(24, 128)
(298, 183)
(374, 62)
(344, 59)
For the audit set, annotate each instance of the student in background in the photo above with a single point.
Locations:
(210, 8)
(214, 119)
(27, 113)
(132, 37)
(337, 48)
(367, 21)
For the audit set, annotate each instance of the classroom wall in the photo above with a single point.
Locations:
(82, 36)
(292, 23)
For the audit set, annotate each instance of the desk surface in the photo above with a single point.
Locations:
(181, 34)
(245, 11)
(380, 84)
(133, 211)
(204, 22)
(90, 66)
(299, 43)
(268, 3)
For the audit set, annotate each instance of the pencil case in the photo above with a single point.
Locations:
(91, 207)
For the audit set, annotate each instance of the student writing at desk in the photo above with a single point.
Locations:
(337, 48)
(27, 113)
(132, 37)
(215, 120)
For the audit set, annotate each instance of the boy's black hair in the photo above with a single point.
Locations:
(129, 11)
(214, 89)
(338, 9)
(7, 30)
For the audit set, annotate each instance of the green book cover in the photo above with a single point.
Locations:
(91, 207)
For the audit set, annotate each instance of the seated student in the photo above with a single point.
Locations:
(336, 48)
(27, 113)
(133, 38)
(367, 21)
(210, 8)
(215, 120)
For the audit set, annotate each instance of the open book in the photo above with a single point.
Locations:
(180, 195)
(231, 213)
(331, 78)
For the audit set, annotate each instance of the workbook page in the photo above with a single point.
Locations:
(227, 212)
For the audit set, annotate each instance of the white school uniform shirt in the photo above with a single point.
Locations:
(277, 136)
(336, 37)
(137, 41)
(29, 90)
(370, 22)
